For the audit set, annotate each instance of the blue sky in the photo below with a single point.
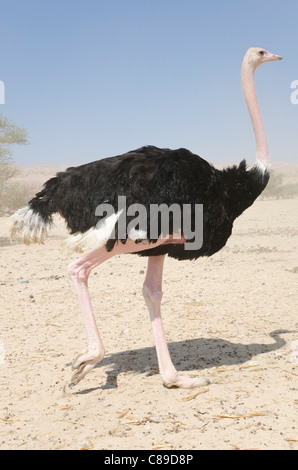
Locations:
(97, 78)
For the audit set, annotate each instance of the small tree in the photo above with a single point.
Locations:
(9, 134)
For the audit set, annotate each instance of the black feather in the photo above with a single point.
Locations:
(151, 175)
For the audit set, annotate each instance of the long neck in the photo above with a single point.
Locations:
(249, 90)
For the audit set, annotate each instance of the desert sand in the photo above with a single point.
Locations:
(231, 318)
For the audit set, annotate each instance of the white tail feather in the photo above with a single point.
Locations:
(94, 238)
(32, 229)
(29, 226)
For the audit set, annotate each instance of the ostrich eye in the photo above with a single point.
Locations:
(261, 52)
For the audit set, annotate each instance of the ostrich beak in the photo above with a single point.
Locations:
(271, 57)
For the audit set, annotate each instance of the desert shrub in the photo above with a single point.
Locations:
(14, 196)
(277, 190)
(11, 194)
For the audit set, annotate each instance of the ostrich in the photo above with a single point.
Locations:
(147, 176)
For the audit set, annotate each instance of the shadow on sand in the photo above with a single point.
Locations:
(189, 355)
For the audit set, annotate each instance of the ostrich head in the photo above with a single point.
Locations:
(257, 56)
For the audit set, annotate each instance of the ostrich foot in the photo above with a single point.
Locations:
(180, 381)
(83, 364)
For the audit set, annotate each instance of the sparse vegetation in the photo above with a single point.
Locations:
(277, 190)
(12, 194)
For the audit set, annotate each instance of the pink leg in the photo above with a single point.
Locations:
(79, 271)
(152, 293)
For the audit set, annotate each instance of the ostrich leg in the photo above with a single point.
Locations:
(79, 271)
(152, 293)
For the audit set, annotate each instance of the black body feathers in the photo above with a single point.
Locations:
(151, 175)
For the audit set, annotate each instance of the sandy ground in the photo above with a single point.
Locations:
(231, 318)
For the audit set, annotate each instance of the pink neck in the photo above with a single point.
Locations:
(249, 90)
